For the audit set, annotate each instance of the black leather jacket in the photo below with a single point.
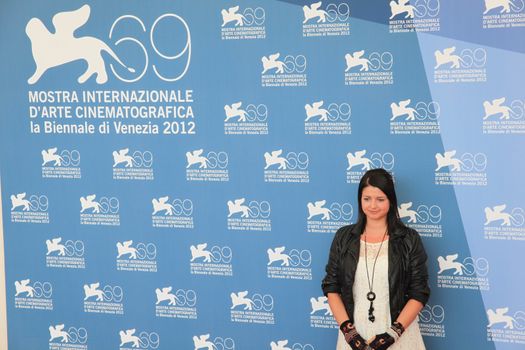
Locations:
(407, 270)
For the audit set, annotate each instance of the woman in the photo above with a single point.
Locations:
(376, 277)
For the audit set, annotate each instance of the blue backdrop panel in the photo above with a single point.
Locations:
(173, 173)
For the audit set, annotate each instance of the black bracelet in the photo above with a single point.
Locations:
(346, 326)
(348, 330)
(398, 328)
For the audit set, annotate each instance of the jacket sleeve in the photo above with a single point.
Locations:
(418, 288)
(330, 283)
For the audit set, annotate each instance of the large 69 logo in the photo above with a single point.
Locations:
(179, 35)
(432, 314)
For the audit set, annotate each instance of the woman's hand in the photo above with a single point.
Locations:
(354, 339)
(358, 343)
(382, 341)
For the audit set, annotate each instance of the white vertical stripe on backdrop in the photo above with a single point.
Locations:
(3, 313)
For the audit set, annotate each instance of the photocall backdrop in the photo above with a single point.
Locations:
(173, 172)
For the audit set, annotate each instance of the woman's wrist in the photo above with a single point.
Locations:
(345, 326)
(396, 330)
(348, 330)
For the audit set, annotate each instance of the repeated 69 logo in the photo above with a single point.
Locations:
(215, 254)
(36, 289)
(35, 203)
(289, 64)
(144, 340)
(294, 258)
(69, 248)
(423, 214)
(73, 335)
(65, 157)
(254, 209)
(180, 297)
(258, 302)
(108, 293)
(335, 211)
(432, 314)
(332, 12)
(375, 160)
(233, 17)
(291, 161)
(106, 205)
(375, 61)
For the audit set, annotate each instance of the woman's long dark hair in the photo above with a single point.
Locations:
(381, 179)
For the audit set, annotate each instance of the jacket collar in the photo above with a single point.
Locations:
(353, 242)
(396, 233)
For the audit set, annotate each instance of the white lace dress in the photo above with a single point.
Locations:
(411, 338)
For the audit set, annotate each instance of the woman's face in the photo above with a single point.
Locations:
(375, 203)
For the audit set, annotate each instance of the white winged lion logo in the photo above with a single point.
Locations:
(61, 47)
